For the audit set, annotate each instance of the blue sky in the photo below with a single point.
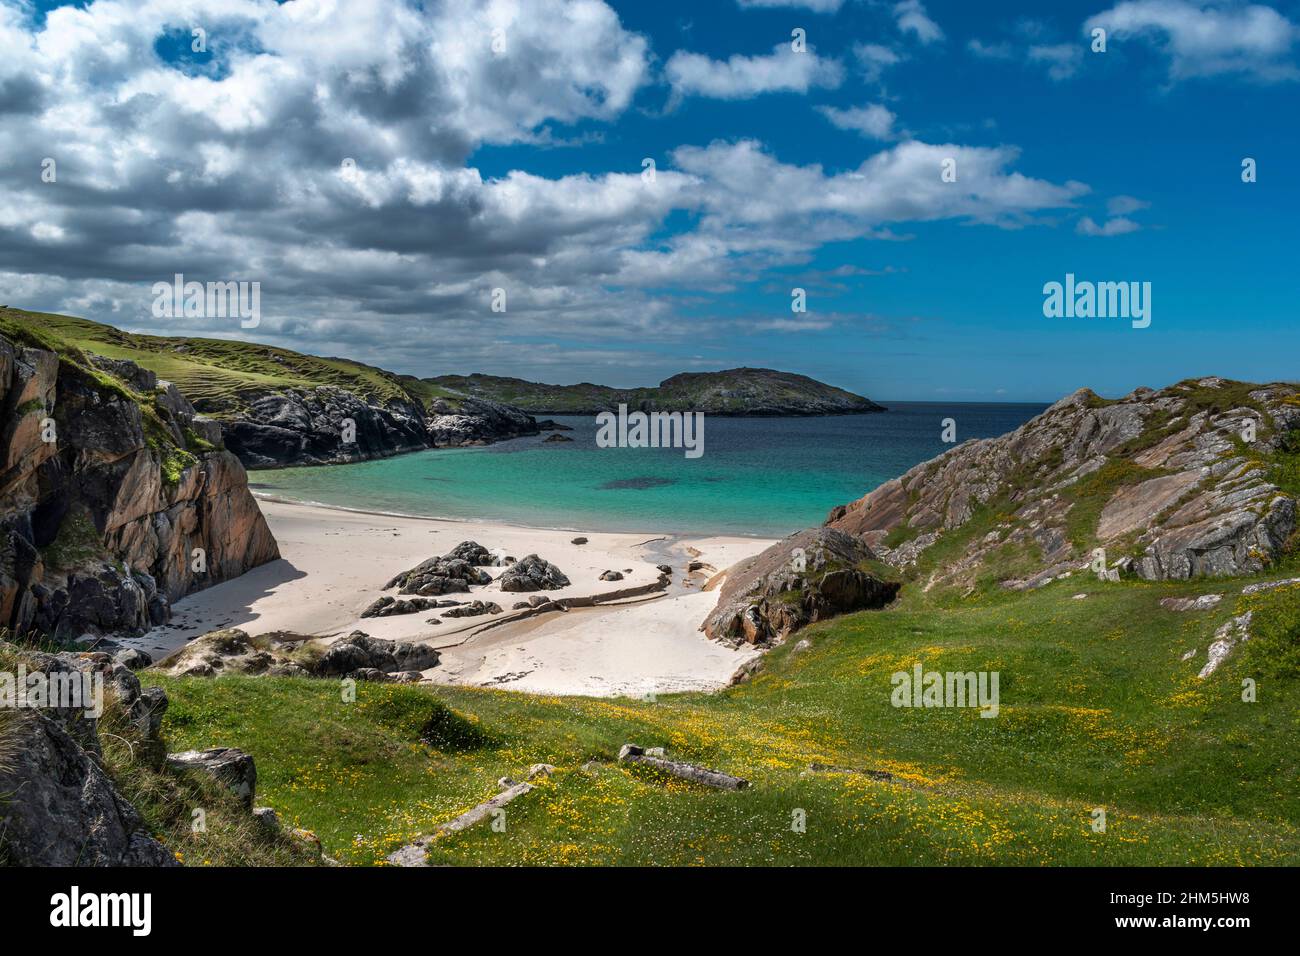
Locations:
(521, 170)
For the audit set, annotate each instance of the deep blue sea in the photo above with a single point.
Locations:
(757, 476)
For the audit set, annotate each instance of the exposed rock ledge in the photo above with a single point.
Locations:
(1181, 482)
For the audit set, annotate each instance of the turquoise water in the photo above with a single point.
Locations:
(757, 476)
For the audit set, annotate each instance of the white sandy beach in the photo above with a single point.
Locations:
(334, 563)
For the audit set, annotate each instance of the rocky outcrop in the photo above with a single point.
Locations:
(444, 574)
(475, 421)
(116, 497)
(358, 655)
(1173, 483)
(58, 807)
(809, 576)
(295, 426)
(532, 573)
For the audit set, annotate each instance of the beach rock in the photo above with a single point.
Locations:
(440, 575)
(1184, 489)
(809, 576)
(360, 652)
(532, 573)
(578, 541)
(389, 606)
(555, 438)
(474, 609)
(611, 576)
(664, 568)
(520, 606)
(473, 553)
(232, 767)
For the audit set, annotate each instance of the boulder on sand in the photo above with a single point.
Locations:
(806, 577)
(533, 574)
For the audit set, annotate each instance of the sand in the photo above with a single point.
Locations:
(334, 563)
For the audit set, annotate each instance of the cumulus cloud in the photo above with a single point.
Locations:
(1062, 59)
(741, 77)
(912, 17)
(874, 59)
(874, 121)
(1207, 38)
(324, 149)
(1112, 227)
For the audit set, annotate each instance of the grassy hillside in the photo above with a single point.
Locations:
(739, 391)
(1097, 710)
(213, 372)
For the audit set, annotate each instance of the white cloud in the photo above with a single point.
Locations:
(741, 77)
(874, 59)
(990, 51)
(816, 6)
(1207, 38)
(912, 18)
(238, 171)
(1112, 227)
(1125, 205)
(873, 120)
(1062, 59)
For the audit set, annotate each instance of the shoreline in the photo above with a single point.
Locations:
(335, 561)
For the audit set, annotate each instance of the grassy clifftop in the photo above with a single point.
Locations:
(213, 373)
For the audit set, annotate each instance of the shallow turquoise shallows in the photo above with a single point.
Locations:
(757, 476)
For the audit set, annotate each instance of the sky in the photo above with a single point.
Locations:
(390, 171)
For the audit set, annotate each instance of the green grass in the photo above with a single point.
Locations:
(212, 373)
(1096, 710)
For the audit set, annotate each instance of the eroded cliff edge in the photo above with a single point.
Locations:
(116, 496)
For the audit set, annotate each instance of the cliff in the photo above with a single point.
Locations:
(276, 407)
(116, 496)
(737, 391)
(1197, 479)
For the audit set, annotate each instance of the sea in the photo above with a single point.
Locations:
(764, 477)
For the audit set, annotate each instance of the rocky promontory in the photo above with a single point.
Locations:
(1195, 480)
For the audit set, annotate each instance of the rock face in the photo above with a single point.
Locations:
(475, 421)
(1173, 484)
(809, 576)
(59, 807)
(532, 573)
(99, 524)
(307, 427)
(297, 426)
